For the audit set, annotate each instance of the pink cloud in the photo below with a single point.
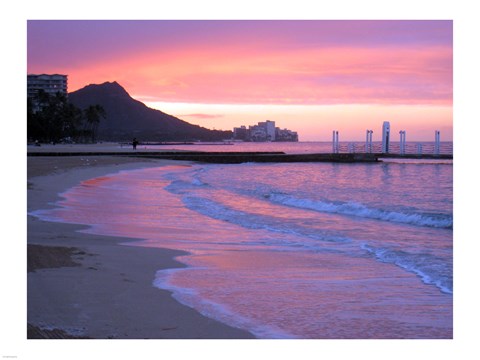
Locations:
(262, 62)
(202, 116)
(327, 76)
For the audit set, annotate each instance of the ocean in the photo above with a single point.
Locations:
(291, 250)
(308, 147)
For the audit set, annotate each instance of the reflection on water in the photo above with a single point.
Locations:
(291, 250)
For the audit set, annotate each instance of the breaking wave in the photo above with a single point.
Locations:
(360, 210)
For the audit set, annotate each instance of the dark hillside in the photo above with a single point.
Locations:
(128, 118)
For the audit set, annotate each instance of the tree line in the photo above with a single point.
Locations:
(52, 119)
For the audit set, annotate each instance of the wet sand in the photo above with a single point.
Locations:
(88, 286)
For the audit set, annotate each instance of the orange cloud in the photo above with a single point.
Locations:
(249, 74)
(278, 62)
(344, 74)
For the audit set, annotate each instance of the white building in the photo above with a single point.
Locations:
(51, 84)
(264, 131)
(269, 127)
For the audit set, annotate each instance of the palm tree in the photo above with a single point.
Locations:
(92, 115)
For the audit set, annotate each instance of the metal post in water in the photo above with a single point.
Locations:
(402, 142)
(386, 137)
(370, 146)
(437, 142)
(368, 141)
(336, 142)
(333, 142)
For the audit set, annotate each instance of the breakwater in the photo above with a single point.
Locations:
(224, 157)
(242, 157)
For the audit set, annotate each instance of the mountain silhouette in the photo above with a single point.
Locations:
(127, 118)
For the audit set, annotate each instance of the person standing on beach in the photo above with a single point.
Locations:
(135, 143)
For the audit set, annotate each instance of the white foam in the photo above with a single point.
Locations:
(258, 222)
(426, 272)
(360, 210)
(213, 310)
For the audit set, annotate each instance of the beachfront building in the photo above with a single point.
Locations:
(240, 133)
(285, 135)
(269, 128)
(49, 84)
(264, 131)
(257, 133)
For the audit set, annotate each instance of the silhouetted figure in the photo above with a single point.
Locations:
(135, 143)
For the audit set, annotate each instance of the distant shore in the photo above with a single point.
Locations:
(233, 155)
(88, 286)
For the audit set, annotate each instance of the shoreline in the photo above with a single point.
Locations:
(90, 286)
(219, 156)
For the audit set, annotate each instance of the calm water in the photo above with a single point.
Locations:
(314, 250)
(446, 147)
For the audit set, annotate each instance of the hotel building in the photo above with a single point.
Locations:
(264, 131)
(51, 84)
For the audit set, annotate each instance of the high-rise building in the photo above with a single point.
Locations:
(240, 133)
(285, 135)
(269, 127)
(264, 131)
(51, 84)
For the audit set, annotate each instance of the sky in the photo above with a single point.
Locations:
(310, 76)
(97, 57)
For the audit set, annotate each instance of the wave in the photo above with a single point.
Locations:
(185, 182)
(360, 210)
(431, 270)
(247, 220)
(213, 310)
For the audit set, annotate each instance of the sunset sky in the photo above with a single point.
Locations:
(310, 76)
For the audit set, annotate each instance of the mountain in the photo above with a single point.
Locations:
(127, 118)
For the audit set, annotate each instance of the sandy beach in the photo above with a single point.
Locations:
(88, 286)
